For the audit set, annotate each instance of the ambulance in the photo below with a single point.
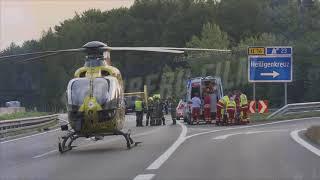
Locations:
(199, 85)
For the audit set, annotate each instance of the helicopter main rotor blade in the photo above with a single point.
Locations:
(148, 49)
(36, 58)
(42, 52)
(163, 49)
(196, 49)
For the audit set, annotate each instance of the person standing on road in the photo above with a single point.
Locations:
(166, 106)
(244, 107)
(173, 105)
(221, 108)
(162, 115)
(196, 104)
(207, 108)
(149, 110)
(158, 109)
(231, 110)
(238, 106)
(138, 107)
(213, 103)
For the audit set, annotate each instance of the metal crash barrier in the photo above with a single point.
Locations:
(296, 108)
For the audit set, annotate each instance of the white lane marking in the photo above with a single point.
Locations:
(106, 141)
(25, 137)
(225, 136)
(271, 131)
(246, 133)
(144, 177)
(165, 156)
(41, 155)
(295, 136)
(199, 129)
(255, 132)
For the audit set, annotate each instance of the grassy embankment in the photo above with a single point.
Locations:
(263, 117)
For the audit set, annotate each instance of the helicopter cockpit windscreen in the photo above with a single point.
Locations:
(104, 90)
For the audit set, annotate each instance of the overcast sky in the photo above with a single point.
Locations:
(22, 20)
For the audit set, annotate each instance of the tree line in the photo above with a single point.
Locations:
(226, 24)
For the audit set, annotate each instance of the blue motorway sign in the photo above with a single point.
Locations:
(279, 51)
(274, 66)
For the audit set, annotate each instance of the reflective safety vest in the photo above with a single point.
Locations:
(138, 105)
(243, 100)
(225, 100)
(231, 104)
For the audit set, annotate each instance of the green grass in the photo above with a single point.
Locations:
(258, 117)
(19, 115)
(313, 133)
(263, 117)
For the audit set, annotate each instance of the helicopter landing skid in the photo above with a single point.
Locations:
(128, 138)
(66, 145)
(67, 140)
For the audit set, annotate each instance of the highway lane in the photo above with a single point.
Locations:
(259, 152)
(178, 152)
(108, 158)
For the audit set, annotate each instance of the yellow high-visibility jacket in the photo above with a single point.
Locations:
(243, 100)
(138, 105)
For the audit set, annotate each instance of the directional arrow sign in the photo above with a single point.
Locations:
(270, 69)
(252, 107)
(273, 74)
(263, 106)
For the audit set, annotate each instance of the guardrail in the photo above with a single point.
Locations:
(10, 126)
(296, 108)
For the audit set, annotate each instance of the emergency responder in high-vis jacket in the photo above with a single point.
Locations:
(244, 107)
(149, 110)
(221, 106)
(231, 110)
(138, 107)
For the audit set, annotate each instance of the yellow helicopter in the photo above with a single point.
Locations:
(95, 96)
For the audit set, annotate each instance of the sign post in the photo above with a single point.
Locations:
(270, 64)
(285, 93)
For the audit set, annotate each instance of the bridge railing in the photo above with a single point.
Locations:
(10, 126)
(296, 108)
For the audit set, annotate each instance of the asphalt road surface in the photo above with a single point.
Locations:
(257, 151)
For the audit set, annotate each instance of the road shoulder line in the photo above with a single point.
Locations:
(295, 136)
(144, 177)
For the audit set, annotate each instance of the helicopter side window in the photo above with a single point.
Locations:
(83, 74)
(105, 73)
